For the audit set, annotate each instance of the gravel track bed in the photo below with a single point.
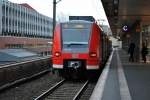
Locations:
(30, 89)
(66, 91)
(87, 93)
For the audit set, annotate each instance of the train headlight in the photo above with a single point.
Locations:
(93, 54)
(57, 54)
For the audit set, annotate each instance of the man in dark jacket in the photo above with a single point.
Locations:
(131, 51)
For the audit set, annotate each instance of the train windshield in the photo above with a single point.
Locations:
(75, 37)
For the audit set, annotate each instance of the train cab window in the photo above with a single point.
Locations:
(75, 37)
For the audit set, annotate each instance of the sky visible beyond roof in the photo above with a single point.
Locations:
(68, 7)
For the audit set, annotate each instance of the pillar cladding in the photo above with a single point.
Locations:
(136, 40)
(0, 17)
(135, 37)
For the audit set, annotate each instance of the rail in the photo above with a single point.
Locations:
(50, 90)
(24, 62)
(77, 96)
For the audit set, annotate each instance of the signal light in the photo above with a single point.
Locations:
(57, 54)
(93, 54)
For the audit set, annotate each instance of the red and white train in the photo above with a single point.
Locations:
(79, 48)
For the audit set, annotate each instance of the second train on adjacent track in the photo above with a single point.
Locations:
(80, 48)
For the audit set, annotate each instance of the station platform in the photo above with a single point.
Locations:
(123, 80)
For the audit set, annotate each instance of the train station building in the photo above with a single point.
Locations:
(22, 27)
(129, 20)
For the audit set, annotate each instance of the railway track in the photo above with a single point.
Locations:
(12, 73)
(64, 90)
(87, 94)
(29, 89)
(8, 64)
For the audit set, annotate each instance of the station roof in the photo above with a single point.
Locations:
(121, 12)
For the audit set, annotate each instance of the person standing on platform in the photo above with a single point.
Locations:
(144, 52)
(131, 51)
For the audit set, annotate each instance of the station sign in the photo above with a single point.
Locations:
(125, 28)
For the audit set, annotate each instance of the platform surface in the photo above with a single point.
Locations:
(123, 80)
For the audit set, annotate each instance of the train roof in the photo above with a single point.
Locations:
(86, 18)
(78, 21)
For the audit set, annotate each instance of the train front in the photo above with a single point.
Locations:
(73, 50)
